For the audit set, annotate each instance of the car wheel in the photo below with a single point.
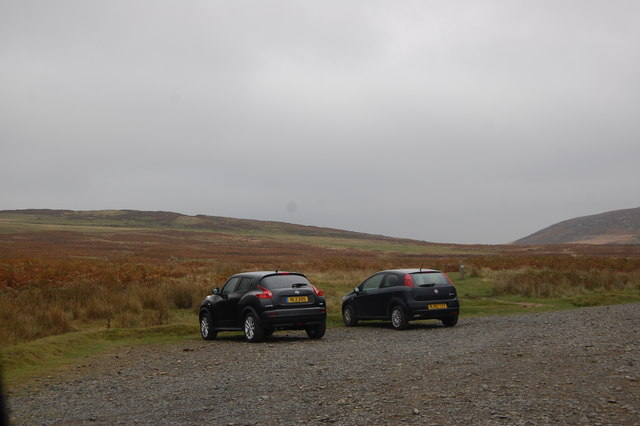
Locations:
(349, 316)
(398, 318)
(206, 326)
(450, 321)
(253, 331)
(318, 331)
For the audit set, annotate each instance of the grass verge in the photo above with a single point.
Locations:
(23, 361)
(477, 298)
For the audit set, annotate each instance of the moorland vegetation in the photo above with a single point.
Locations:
(99, 274)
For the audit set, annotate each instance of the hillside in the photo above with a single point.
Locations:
(615, 227)
(164, 220)
(223, 233)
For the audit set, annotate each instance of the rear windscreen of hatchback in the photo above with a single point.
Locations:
(429, 278)
(283, 281)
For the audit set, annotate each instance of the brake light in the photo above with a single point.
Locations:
(449, 279)
(408, 281)
(266, 294)
(316, 291)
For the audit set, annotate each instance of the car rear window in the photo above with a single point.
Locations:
(429, 278)
(282, 281)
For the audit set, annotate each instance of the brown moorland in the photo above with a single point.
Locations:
(63, 271)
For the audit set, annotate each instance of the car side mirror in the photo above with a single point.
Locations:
(357, 290)
(216, 291)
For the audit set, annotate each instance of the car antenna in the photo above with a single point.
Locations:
(421, 266)
(278, 267)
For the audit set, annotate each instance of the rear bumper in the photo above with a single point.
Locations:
(420, 310)
(293, 319)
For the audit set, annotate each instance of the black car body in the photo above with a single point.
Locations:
(402, 295)
(260, 303)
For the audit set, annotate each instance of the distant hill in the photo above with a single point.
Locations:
(37, 224)
(168, 220)
(615, 227)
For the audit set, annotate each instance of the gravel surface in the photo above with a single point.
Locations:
(570, 367)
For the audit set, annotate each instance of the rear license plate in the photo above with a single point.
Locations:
(437, 306)
(297, 299)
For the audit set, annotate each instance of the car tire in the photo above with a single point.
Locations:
(349, 316)
(399, 319)
(450, 321)
(318, 331)
(253, 331)
(206, 326)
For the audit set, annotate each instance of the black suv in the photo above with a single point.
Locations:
(402, 295)
(260, 303)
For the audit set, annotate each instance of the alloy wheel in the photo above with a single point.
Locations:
(249, 327)
(396, 318)
(348, 315)
(204, 326)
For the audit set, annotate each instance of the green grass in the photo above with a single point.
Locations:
(366, 244)
(476, 299)
(26, 360)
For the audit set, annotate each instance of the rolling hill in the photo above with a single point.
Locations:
(614, 227)
(32, 224)
(164, 220)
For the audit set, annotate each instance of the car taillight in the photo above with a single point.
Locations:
(316, 291)
(408, 281)
(449, 279)
(266, 294)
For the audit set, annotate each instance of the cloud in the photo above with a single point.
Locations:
(452, 122)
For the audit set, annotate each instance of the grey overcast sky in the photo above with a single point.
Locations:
(445, 121)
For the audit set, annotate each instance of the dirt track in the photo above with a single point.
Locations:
(569, 367)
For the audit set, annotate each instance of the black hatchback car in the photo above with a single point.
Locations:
(402, 295)
(260, 303)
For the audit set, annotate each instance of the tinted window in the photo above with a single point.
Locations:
(283, 281)
(230, 286)
(373, 282)
(429, 278)
(245, 285)
(392, 280)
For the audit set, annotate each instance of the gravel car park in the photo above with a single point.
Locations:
(553, 368)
